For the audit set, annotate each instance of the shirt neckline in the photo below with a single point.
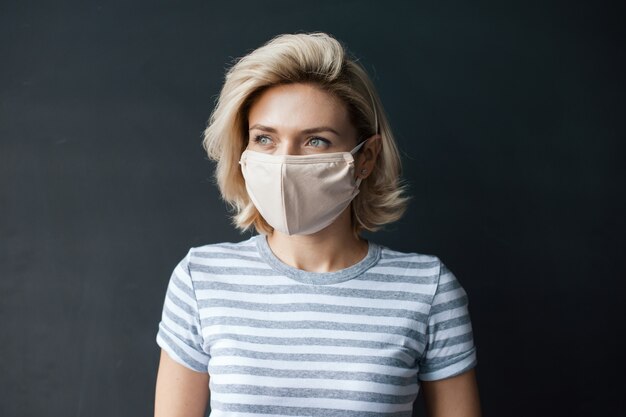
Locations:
(318, 278)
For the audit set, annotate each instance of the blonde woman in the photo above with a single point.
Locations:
(307, 318)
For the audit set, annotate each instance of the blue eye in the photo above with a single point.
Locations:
(262, 140)
(318, 142)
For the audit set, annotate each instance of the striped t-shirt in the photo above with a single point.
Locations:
(279, 341)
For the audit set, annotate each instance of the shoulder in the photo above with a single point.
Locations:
(426, 271)
(410, 263)
(215, 253)
(223, 250)
(409, 259)
(226, 258)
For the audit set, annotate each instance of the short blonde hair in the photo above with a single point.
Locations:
(319, 59)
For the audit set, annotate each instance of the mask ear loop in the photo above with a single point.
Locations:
(358, 147)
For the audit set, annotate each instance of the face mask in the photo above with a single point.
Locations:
(300, 194)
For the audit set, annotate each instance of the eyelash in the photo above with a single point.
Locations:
(325, 142)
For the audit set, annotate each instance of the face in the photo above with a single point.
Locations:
(299, 119)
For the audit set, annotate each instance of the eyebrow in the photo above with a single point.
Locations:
(311, 130)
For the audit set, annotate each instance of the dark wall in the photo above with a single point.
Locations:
(510, 116)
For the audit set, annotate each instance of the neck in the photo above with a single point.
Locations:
(331, 249)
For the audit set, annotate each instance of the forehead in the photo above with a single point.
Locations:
(299, 106)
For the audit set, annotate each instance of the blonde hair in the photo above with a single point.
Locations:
(319, 59)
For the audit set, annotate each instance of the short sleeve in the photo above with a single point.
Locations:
(450, 346)
(179, 331)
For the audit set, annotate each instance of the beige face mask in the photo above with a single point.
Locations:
(300, 194)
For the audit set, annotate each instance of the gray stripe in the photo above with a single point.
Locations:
(335, 375)
(180, 284)
(310, 357)
(307, 341)
(314, 289)
(232, 270)
(178, 320)
(409, 264)
(300, 411)
(452, 304)
(372, 397)
(232, 256)
(322, 308)
(434, 364)
(451, 341)
(449, 324)
(391, 254)
(448, 286)
(409, 279)
(245, 246)
(181, 353)
(313, 324)
(179, 337)
(181, 304)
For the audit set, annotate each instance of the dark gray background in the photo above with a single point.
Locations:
(510, 116)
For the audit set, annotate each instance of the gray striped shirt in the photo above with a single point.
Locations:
(279, 341)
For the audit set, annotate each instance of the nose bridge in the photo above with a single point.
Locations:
(289, 145)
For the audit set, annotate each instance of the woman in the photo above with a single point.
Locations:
(308, 318)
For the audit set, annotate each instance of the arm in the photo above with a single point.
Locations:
(180, 392)
(452, 397)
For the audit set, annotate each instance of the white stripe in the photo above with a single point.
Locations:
(449, 350)
(230, 263)
(218, 330)
(447, 296)
(423, 289)
(222, 250)
(314, 383)
(297, 365)
(416, 306)
(454, 331)
(446, 277)
(183, 276)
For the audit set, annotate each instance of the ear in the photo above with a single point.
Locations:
(366, 158)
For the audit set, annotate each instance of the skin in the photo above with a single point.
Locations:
(281, 121)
